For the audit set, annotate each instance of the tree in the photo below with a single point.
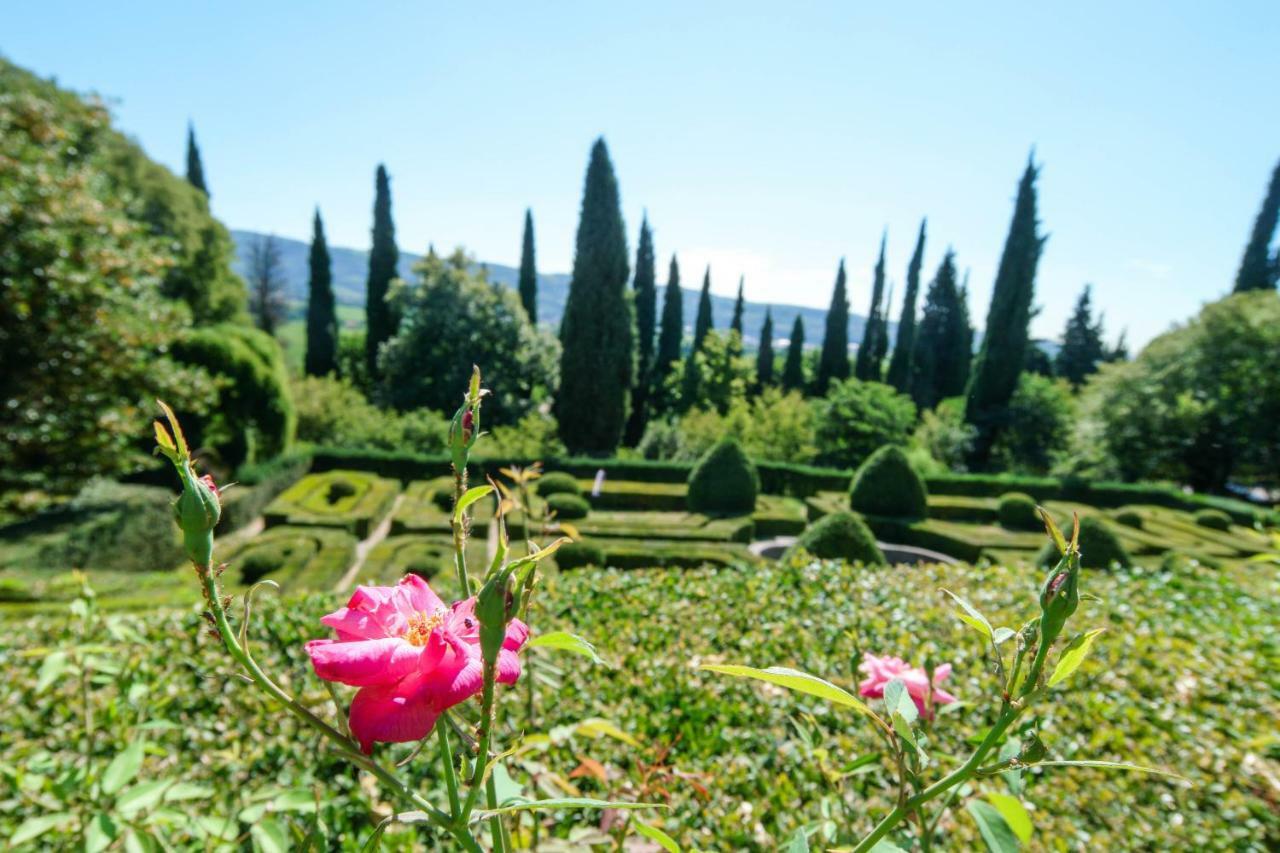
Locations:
(1082, 347)
(384, 259)
(738, 307)
(597, 332)
(764, 355)
(857, 418)
(940, 367)
(528, 270)
(195, 169)
(266, 283)
(900, 365)
(1004, 345)
(793, 368)
(670, 335)
(703, 324)
(715, 375)
(455, 318)
(646, 299)
(867, 364)
(1258, 270)
(833, 363)
(1040, 415)
(322, 319)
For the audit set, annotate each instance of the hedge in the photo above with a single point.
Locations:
(636, 495)
(1100, 548)
(557, 482)
(1017, 511)
(840, 536)
(297, 558)
(886, 484)
(351, 500)
(724, 481)
(779, 516)
(650, 554)
(568, 507)
(667, 525)
(257, 486)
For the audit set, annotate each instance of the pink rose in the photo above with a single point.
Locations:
(411, 657)
(881, 670)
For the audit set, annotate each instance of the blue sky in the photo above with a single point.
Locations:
(769, 140)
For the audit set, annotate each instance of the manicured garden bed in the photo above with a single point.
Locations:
(350, 500)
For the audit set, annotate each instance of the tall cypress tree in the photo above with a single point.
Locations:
(646, 296)
(882, 334)
(1082, 345)
(1004, 344)
(1258, 271)
(764, 355)
(940, 366)
(793, 369)
(833, 362)
(702, 323)
(195, 168)
(322, 319)
(384, 258)
(867, 366)
(671, 333)
(597, 332)
(528, 271)
(739, 306)
(900, 364)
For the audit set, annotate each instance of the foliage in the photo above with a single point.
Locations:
(348, 500)
(557, 483)
(840, 536)
(1201, 403)
(886, 484)
(773, 425)
(944, 434)
(597, 332)
(646, 303)
(833, 363)
(575, 555)
(1082, 346)
(534, 436)
(739, 304)
(1132, 517)
(1038, 421)
(1004, 344)
(702, 322)
(322, 322)
(793, 373)
(1017, 511)
(333, 412)
(764, 355)
(1100, 548)
(455, 318)
(875, 334)
(298, 558)
(1214, 519)
(266, 283)
(527, 283)
(723, 374)
(568, 507)
(670, 335)
(1258, 269)
(724, 481)
(940, 368)
(384, 258)
(902, 364)
(858, 417)
(195, 168)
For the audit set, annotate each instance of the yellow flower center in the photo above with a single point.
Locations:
(420, 627)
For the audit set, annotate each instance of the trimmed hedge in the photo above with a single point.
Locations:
(724, 482)
(1017, 511)
(568, 507)
(298, 558)
(840, 536)
(350, 500)
(779, 516)
(257, 486)
(886, 484)
(667, 525)
(1214, 519)
(634, 495)
(576, 555)
(1129, 517)
(557, 483)
(1100, 548)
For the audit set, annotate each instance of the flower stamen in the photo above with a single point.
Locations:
(420, 627)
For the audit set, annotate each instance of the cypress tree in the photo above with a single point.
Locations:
(690, 381)
(940, 366)
(671, 333)
(1004, 344)
(384, 258)
(736, 324)
(1082, 346)
(702, 323)
(764, 355)
(597, 331)
(867, 365)
(528, 271)
(793, 369)
(882, 334)
(1258, 271)
(195, 168)
(322, 321)
(900, 368)
(646, 296)
(833, 363)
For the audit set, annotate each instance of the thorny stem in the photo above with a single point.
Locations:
(450, 774)
(460, 533)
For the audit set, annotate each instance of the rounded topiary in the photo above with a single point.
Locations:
(1214, 519)
(1129, 517)
(886, 484)
(724, 482)
(567, 506)
(1017, 511)
(575, 555)
(840, 536)
(1099, 546)
(558, 483)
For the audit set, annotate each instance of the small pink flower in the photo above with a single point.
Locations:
(411, 657)
(881, 670)
(207, 479)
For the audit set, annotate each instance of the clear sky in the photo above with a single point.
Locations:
(769, 140)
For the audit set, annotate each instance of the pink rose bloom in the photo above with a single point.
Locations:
(881, 670)
(411, 656)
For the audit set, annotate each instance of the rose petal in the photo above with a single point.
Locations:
(419, 594)
(364, 662)
(393, 713)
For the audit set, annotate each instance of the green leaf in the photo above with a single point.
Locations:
(560, 803)
(141, 796)
(596, 727)
(270, 836)
(187, 791)
(1003, 634)
(565, 642)
(295, 800)
(995, 831)
(657, 836)
(34, 827)
(1111, 765)
(898, 700)
(799, 842)
(123, 767)
(801, 682)
(468, 498)
(883, 846)
(1073, 655)
(970, 616)
(51, 669)
(1014, 814)
(99, 834)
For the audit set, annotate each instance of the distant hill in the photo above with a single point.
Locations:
(351, 267)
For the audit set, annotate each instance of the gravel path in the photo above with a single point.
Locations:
(363, 548)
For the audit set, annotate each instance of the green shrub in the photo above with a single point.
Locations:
(724, 481)
(568, 507)
(1100, 548)
(297, 558)
(886, 484)
(1214, 519)
(856, 417)
(575, 555)
(15, 589)
(352, 500)
(1017, 511)
(1129, 517)
(558, 483)
(840, 536)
